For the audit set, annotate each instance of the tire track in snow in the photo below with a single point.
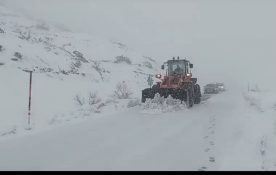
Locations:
(210, 145)
(267, 156)
(263, 145)
(254, 102)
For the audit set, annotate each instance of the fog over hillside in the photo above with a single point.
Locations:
(230, 41)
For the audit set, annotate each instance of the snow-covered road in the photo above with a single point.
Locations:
(223, 133)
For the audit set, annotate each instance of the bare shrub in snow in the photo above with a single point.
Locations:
(121, 59)
(79, 56)
(63, 71)
(18, 55)
(97, 66)
(94, 103)
(133, 103)
(147, 64)
(79, 100)
(93, 98)
(24, 35)
(75, 66)
(99, 107)
(122, 91)
(1, 63)
(2, 30)
(45, 69)
(1, 48)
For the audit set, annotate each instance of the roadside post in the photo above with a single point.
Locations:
(30, 98)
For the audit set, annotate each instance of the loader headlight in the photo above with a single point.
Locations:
(158, 76)
(189, 75)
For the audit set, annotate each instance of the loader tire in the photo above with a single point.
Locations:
(197, 100)
(197, 94)
(190, 98)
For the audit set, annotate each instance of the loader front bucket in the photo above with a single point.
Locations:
(148, 93)
(164, 92)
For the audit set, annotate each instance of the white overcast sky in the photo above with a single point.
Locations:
(224, 36)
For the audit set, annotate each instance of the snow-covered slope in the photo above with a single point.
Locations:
(65, 65)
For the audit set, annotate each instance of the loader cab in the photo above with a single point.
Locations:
(178, 67)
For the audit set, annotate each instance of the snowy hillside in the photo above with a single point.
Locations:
(65, 65)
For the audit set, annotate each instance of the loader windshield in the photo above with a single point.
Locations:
(178, 67)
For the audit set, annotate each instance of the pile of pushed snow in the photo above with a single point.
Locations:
(162, 105)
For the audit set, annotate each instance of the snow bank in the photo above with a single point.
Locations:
(162, 105)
